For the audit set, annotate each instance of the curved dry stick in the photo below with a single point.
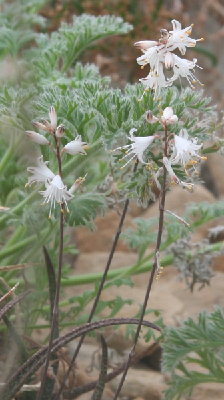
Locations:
(34, 362)
(12, 303)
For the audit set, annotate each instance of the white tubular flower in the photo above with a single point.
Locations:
(174, 178)
(76, 146)
(40, 173)
(56, 192)
(137, 147)
(53, 118)
(179, 38)
(184, 149)
(153, 56)
(183, 69)
(155, 81)
(168, 116)
(36, 137)
(145, 44)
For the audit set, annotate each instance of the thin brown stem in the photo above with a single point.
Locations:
(54, 332)
(153, 271)
(99, 291)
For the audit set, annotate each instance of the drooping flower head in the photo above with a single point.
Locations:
(56, 192)
(184, 149)
(159, 55)
(137, 147)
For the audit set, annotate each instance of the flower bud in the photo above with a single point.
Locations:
(60, 131)
(145, 44)
(44, 125)
(169, 60)
(168, 116)
(53, 118)
(150, 118)
(36, 137)
(76, 184)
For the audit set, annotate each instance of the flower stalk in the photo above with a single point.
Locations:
(154, 266)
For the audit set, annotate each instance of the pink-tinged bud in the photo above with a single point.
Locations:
(76, 184)
(168, 116)
(150, 118)
(145, 44)
(60, 131)
(169, 60)
(36, 137)
(43, 125)
(53, 117)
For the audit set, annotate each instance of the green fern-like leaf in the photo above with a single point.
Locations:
(71, 40)
(84, 208)
(196, 342)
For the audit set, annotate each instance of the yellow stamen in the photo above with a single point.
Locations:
(85, 147)
(204, 158)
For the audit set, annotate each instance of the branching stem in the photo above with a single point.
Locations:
(154, 268)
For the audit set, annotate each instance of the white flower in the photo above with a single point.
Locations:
(168, 116)
(182, 68)
(155, 81)
(184, 149)
(53, 118)
(137, 147)
(179, 38)
(159, 56)
(174, 178)
(40, 173)
(153, 56)
(36, 137)
(56, 192)
(76, 146)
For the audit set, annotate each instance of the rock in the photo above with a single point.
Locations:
(218, 263)
(216, 167)
(208, 391)
(177, 199)
(141, 383)
(101, 239)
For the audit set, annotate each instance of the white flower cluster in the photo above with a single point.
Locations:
(55, 190)
(182, 150)
(160, 57)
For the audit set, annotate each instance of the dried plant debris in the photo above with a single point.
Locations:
(194, 261)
